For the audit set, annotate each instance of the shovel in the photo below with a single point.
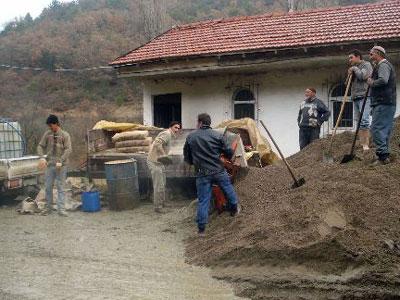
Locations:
(297, 182)
(328, 157)
(349, 157)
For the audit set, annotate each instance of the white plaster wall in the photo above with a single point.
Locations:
(278, 93)
(198, 96)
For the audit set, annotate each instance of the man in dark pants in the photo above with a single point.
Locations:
(313, 112)
(383, 102)
(203, 149)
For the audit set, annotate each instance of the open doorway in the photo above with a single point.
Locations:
(167, 108)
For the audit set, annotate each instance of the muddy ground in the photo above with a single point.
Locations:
(108, 255)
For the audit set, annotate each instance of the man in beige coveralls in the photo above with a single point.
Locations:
(160, 149)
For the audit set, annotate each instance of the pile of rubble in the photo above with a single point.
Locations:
(343, 223)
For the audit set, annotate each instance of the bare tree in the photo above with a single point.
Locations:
(308, 4)
(154, 17)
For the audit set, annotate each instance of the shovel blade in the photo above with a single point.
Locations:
(298, 183)
(347, 158)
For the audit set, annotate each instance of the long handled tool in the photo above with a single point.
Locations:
(349, 157)
(328, 157)
(297, 182)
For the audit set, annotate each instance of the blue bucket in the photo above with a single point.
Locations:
(91, 201)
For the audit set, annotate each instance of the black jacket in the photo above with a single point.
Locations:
(383, 90)
(203, 149)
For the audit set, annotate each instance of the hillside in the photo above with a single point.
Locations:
(90, 33)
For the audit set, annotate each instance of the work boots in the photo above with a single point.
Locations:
(364, 139)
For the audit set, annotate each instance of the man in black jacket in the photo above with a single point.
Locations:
(312, 113)
(203, 149)
(383, 102)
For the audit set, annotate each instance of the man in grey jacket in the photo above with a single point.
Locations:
(312, 113)
(361, 71)
(55, 149)
(383, 102)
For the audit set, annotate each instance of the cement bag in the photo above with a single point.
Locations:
(130, 135)
(134, 143)
(145, 149)
(120, 127)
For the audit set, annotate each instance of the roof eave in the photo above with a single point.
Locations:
(247, 52)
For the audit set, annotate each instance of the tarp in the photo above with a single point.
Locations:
(120, 127)
(258, 141)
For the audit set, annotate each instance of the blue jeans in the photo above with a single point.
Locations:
(365, 121)
(381, 128)
(59, 177)
(204, 193)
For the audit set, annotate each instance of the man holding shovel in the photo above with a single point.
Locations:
(55, 149)
(383, 102)
(361, 71)
(156, 161)
(313, 112)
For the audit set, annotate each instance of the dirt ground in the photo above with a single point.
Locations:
(107, 255)
(336, 237)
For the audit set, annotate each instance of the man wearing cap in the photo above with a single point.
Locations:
(383, 102)
(312, 113)
(55, 149)
(361, 71)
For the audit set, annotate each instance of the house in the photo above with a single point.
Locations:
(259, 66)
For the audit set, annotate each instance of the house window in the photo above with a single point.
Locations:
(244, 104)
(167, 108)
(336, 98)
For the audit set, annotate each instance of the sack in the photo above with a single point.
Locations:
(145, 149)
(134, 143)
(130, 135)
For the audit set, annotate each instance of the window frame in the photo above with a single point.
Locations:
(339, 99)
(238, 102)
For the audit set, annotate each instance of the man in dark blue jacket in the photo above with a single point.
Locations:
(203, 149)
(312, 113)
(383, 102)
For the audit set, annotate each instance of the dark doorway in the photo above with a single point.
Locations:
(167, 108)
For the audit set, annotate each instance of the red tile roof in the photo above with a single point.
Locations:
(371, 22)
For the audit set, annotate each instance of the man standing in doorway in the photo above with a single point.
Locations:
(383, 102)
(156, 160)
(203, 149)
(313, 112)
(55, 149)
(361, 70)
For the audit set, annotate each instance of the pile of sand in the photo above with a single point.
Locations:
(345, 217)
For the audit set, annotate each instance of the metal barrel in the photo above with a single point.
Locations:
(122, 184)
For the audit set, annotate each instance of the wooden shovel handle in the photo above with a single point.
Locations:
(349, 79)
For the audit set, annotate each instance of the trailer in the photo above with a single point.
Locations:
(180, 179)
(19, 173)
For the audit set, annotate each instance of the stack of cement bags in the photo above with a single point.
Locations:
(132, 141)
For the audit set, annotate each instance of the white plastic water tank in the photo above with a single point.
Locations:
(11, 142)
